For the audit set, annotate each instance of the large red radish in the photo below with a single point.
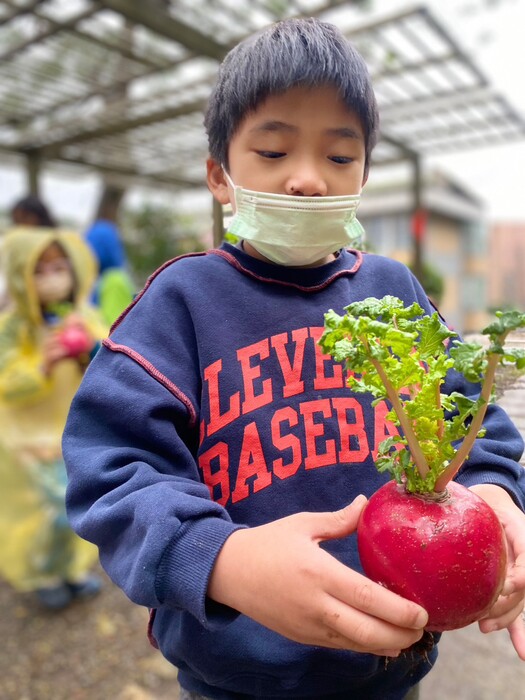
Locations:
(448, 554)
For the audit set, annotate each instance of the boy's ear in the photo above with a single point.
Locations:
(217, 182)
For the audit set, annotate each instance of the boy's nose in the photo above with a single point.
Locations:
(306, 183)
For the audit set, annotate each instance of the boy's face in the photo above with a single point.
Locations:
(302, 142)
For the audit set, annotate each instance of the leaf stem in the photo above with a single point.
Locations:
(468, 441)
(413, 443)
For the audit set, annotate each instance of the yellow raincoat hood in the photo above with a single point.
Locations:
(21, 249)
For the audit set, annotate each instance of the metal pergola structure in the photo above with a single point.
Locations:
(119, 86)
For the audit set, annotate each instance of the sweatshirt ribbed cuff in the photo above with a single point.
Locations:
(185, 568)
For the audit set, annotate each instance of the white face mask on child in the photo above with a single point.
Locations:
(295, 231)
(52, 287)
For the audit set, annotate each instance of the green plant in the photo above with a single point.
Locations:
(154, 234)
(399, 354)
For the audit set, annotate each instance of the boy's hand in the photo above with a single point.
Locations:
(507, 611)
(279, 576)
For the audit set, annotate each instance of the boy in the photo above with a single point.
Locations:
(224, 448)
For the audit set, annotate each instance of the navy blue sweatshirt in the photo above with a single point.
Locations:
(210, 408)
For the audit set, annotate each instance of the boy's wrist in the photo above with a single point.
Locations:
(224, 578)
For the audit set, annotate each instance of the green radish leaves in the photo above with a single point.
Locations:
(398, 354)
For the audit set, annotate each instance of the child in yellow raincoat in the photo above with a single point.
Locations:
(47, 337)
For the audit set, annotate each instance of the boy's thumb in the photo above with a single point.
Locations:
(341, 523)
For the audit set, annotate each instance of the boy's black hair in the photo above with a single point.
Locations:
(292, 52)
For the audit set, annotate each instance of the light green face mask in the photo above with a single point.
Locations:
(295, 231)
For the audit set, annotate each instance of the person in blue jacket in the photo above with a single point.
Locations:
(114, 289)
(217, 457)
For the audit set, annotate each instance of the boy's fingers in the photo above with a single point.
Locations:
(373, 599)
(515, 580)
(339, 523)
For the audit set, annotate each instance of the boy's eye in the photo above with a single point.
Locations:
(271, 154)
(343, 160)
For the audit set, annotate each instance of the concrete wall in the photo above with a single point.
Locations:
(506, 263)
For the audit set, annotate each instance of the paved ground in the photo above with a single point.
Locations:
(94, 650)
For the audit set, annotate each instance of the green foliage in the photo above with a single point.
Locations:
(153, 235)
(397, 354)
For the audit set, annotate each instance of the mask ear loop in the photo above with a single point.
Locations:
(228, 178)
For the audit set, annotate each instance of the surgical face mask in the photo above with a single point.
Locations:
(295, 231)
(54, 285)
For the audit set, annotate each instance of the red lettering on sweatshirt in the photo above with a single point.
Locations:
(287, 441)
(252, 372)
(219, 420)
(322, 380)
(215, 465)
(291, 370)
(351, 432)
(252, 465)
(314, 430)
(287, 425)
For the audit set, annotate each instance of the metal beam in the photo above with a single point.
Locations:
(134, 174)
(218, 222)
(122, 51)
(33, 163)
(120, 127)
(402, 70)
(445, 101)
(19, 12)
(446, 37)
(162, 23)
(482, 128)
(115, 88)
(49, 32)
(407, 151)
(417, 236)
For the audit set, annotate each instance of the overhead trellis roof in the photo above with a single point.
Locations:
(120, 86)
(432, 96)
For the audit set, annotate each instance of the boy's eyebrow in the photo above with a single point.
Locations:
(273, 125)
(276, 125)
(344, 132)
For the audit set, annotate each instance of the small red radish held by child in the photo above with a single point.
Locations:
(422, 535)
(75, 340)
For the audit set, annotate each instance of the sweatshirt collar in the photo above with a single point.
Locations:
(346, 263)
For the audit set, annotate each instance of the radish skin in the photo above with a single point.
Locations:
(448, 554)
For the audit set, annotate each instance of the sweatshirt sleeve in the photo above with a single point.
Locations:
(134, 488)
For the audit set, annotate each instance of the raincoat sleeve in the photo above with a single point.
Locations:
(22, 379)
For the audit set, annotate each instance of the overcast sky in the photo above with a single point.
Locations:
(492, 35)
